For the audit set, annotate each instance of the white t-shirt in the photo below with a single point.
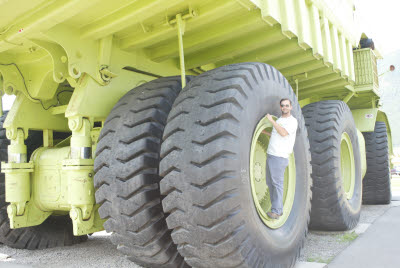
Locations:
(283, 146)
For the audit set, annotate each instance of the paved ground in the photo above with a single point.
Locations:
(98, 251)
(378, 247)
(321, 248)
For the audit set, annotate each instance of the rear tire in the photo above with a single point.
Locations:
(376, 183)
(53, 232)
(331, 208)
(206, 172)
(127, 181)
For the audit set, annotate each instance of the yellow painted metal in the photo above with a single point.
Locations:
(363, 154)
(89, 226)
(350, 59)
(83, 208)
(259, 188)
(17, 151)
(327, 43)
(17, 178)
(337, 64)
(58, 184)
(18, 184)
(365, 119)
(47, 138)
(103, 31)
(348, 97)
(17, 171)
(58, 109)
(347, 166)
(28, 79)
(95, 133)
(98, 50)
(50, 182)
(366, 70)
(288, 18)
(317, 39)
(30, 115)
(382, 117)
(344, 56)
(100, 39)
(181, 31)
(80, 184)
(91, 99)
(304, 102)
(81, 142)
(34, 217)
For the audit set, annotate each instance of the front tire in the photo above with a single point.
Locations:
(206, 173)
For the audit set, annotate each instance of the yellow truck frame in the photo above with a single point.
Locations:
(105, 90)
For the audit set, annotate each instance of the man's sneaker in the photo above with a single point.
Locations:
(273, 215)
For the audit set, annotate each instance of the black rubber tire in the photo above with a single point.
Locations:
(205, 169)
(127, 181)
(55, 231)
(331, 210)
(376, 183)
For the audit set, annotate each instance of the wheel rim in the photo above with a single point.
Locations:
(347, 168)
(259, 188)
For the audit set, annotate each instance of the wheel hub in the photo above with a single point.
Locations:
(260, 190)
(347, 166)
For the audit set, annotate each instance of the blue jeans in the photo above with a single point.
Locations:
(275, 176)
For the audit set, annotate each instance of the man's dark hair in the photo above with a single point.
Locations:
(287, 100)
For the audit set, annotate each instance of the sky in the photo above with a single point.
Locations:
(379, 19)
(389, 87)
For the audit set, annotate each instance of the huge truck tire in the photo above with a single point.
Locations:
(53, 232)
(127, 180)
(336, 166)
(376, 183)
(213, 169)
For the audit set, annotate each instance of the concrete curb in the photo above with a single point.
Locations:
(310, 265)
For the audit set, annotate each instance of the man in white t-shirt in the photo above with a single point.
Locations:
(280, 147)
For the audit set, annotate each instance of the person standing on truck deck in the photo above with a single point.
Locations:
(280, 147)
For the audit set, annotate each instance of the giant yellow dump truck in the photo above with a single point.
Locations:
(145, 118)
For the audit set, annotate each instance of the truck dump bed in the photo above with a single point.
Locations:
(310, 42)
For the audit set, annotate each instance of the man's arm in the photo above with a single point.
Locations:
(282, 131)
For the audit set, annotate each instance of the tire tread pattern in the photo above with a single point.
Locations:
(376, 183)
(126, 178)
(323, 121)
(202, 200)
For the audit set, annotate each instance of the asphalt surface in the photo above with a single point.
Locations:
(323, 247)
(97, 252)
(378, 247)
(373, 243)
